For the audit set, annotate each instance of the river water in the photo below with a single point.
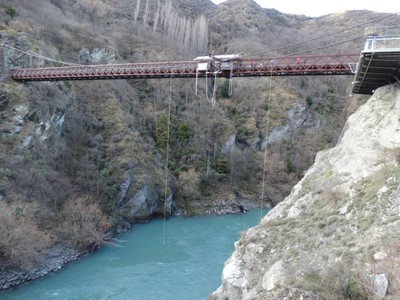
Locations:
(188, 267)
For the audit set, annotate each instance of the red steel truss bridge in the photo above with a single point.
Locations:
(377, 65)
(227, 66)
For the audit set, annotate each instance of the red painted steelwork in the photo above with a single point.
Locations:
(331, 64)
(335, 64)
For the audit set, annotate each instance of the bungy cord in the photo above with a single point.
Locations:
(167, 162)
(266, 145)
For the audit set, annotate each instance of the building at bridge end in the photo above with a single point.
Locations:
(379, 62)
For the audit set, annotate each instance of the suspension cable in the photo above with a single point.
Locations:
(322, 47)
(37, 55)
(378, 19)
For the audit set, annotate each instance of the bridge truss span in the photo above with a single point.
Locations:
(112, 71)
(333, 64)
(327, 64)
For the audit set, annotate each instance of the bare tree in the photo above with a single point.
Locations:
(21, 241)
(188, 184)
(146, 14)
(137, 10)
(156, 17)
(86, 223)
(202, 33)
(188, 26)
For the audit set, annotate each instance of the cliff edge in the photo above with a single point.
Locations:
(336, 235)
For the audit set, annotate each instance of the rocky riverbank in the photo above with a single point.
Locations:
(53, 261)
(59, 256)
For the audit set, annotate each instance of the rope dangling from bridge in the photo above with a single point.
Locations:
(167, 161)
(230, 88)
(266, 144)
(197, 79)
(213, 99)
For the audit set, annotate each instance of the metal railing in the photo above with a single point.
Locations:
(376, 43)
(383, 38)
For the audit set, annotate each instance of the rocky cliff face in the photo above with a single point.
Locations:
(336, 235)
(97, 149)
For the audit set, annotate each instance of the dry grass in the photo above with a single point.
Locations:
(84, 224)
(22, 242)
(390, 266)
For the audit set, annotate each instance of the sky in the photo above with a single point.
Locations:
(315, 8)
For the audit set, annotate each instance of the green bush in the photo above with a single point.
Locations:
(266, 105)
(289, 165)
(355, 291)
(223, 90)
(162, 131)
(221, 165)
(10, 10)
(180, 131)
(302, 83)
(131, 108)
(6, 172)
(183, 132)
(309, 101)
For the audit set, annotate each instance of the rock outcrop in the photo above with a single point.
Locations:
(53, 261)
(336, 235)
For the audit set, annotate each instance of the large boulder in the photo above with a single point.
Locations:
(145, 203)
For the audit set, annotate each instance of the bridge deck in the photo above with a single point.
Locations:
(379, 64)
(331, 64)
(376, 69)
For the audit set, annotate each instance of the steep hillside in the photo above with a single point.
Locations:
(335, 236)
(91, 155)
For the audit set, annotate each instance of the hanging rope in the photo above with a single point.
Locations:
(214, 98)
(197, 78)
(230, 89)
(266, 144)
(167, 161)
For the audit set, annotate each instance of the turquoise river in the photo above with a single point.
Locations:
(188, 267)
